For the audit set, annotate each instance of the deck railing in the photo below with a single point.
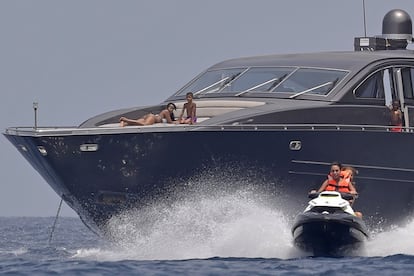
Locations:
(73, 130)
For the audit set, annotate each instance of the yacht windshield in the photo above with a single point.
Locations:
(294, 81)
(213, 81)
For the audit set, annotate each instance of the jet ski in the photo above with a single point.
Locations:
(329, 226)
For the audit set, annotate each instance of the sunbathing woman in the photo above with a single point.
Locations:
(165, 116)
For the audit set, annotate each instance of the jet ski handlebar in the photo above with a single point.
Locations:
(349, 196)
(346, 196)
(313, 195)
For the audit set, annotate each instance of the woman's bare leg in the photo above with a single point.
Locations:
(149, 120)
(127, 122)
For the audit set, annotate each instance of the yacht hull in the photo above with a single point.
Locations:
(129, 170)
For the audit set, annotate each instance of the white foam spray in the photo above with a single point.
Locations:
(398, 240)
(225, 226)
(209, 220)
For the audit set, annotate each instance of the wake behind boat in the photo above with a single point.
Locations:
(329, 226)
(267, 123)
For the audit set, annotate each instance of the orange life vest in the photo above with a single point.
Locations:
(341, 186)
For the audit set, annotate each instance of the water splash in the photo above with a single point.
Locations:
(207, 221)
(399, 240)
(235, 225)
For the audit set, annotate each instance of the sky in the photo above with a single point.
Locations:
(81, 58)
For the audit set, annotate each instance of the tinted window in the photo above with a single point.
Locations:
(372, 87)
(259, 79)
(314, 81)
(291, 80)
(407, 77)
(212, 81)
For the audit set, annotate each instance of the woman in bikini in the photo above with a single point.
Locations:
(165, 116)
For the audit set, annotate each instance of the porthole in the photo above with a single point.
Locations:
(295, 145)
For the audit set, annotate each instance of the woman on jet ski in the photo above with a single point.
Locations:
(339, 180)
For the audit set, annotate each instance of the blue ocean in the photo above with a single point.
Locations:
(204, 237)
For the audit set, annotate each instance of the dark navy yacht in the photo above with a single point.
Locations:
(272, 124)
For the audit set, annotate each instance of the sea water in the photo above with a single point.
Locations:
(229, 235)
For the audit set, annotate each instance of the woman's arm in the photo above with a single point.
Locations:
(352, 189)
(323, 186)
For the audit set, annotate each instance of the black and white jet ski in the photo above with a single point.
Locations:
(329, 226)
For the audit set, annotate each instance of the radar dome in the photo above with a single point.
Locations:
(397, 24)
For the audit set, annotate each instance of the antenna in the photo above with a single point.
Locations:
(35, 106)
(365, 22)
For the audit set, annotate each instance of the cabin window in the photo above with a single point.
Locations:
(212, 81)
(292, 80)
(407, 75)
(259, 80)
(373, 87)
(313, 81)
